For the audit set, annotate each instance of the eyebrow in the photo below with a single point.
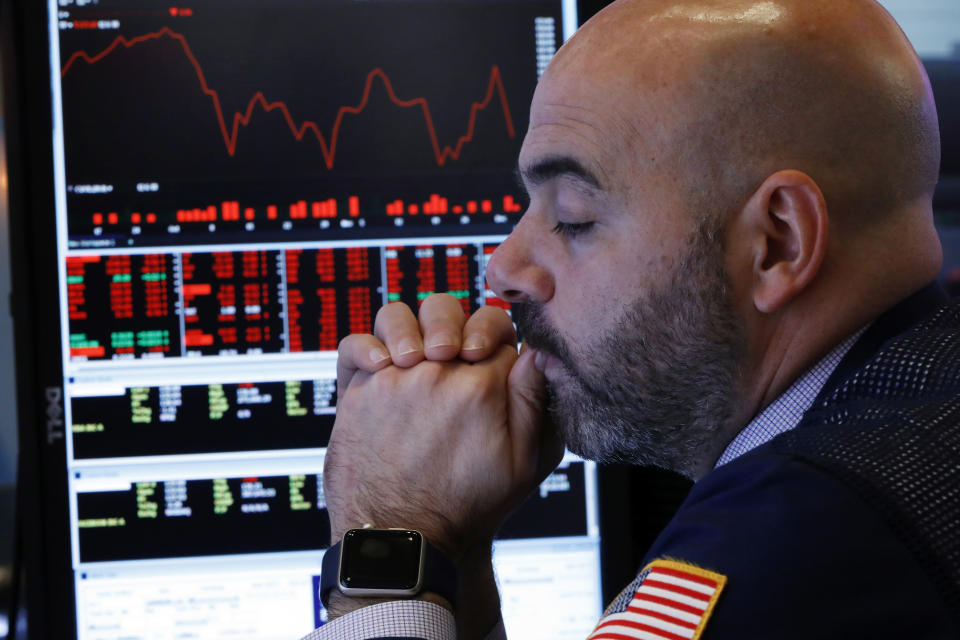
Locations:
(554, 167)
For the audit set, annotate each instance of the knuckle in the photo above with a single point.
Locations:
(486, 385)
(493, 314)
(440, 298)
(380, 382)
(440, 303)
(427, 375)
(492, 320)
(346, 344)
(392, 311)
(352, 344)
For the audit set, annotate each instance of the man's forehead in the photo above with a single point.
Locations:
(567, 141)
(594, 121)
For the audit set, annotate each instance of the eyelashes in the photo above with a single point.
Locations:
(572, 229)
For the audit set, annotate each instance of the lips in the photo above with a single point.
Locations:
(541, 336)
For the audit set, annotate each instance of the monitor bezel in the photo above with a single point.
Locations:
(42, 481)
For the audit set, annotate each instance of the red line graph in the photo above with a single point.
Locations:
(329, 149)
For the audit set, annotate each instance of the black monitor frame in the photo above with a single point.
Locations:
(43, 517)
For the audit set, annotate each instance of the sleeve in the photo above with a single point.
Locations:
(398, 620)
(801, 556)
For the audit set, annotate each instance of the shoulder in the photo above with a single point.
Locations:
(803, 556)
(849, 525)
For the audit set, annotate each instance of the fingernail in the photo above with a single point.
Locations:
(378, 355)
(409, 345)
(474, 343)
(441, 340)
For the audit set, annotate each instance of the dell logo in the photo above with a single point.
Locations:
(54, 398)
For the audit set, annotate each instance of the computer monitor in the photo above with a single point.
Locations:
(206, 198)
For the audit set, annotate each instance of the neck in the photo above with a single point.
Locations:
(853, 288)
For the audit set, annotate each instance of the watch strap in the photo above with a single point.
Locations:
(329, 573)
(439, 574)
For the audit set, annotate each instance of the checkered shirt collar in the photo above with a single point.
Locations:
(785, 413)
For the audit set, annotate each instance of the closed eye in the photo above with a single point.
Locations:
(572, 229)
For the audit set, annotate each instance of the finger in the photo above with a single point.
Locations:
(359, 352)
(501, 362)
(485, 331)
(441, 321)
(536, 443)
(398, 329)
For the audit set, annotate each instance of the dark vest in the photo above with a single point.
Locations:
(849, 525)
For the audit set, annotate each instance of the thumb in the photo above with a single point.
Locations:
(536, 445)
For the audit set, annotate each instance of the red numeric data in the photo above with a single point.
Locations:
(140, 318)
(226, 303)
(415, 272)
(232, 303)
(489, 297)
(330, 294)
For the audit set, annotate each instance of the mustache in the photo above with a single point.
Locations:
(536, 330)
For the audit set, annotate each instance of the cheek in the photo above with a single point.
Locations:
(589, 298)
(595, 281)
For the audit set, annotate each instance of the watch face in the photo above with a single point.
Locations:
(381, 559)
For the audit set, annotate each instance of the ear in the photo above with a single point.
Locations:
(785, 227)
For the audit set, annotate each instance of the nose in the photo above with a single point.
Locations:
(516, 270)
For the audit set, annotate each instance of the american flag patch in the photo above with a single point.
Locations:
(673, 602)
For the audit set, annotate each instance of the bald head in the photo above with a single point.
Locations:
(721, 191)
(736, 90)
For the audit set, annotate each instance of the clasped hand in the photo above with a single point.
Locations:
(440, 425)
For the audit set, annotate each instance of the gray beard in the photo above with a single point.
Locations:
(659, 388)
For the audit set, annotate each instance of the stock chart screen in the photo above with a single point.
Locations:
(296, 120)
(239, 186)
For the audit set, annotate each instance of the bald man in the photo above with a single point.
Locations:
(724, 270)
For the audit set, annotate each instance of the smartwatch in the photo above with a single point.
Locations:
(381, 563)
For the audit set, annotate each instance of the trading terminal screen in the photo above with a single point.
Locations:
(239, 186)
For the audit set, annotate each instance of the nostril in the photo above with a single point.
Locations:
(513, 296)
